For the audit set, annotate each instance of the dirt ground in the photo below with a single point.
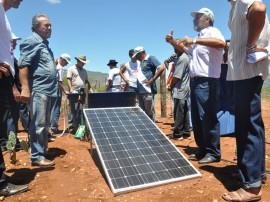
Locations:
(78, 176)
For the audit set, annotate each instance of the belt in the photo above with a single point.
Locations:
(115, 86)
(197, 78)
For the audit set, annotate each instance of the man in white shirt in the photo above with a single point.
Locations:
(114, 80)
(56, 101)
(206, 53)
(7, 72)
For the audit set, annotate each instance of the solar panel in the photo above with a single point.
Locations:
(134, 152)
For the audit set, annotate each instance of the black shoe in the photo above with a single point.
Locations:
(198, 156)
(175, 137)
(186, 135)
(11, 189)
(207, 160)
(56, 131)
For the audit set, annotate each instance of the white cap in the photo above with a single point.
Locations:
(205, 11)
(14, 37)
(137, 50)
(66, 57)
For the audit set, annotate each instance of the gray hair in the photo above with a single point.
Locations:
(36, 20)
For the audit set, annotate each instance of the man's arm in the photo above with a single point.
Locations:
(122, 71)
(4, 70)
(25, 94)
(160, 69)
(69, 85)
(256, 19)
(209, 42)
(108, 84)
(89, 86)
(61, 86)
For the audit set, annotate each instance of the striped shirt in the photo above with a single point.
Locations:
(239, 68)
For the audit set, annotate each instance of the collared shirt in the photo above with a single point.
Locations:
(206, 61)
(38, 57)
(239, 68)
(148, 67)
(6, 43)
(78, 77)
(181, 63)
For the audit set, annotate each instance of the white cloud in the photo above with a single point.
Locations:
(54, 1)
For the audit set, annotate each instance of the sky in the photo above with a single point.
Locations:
(108, 29)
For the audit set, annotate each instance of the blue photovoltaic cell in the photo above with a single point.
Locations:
(134, 152)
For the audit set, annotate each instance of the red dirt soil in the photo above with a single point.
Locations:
(78, 176)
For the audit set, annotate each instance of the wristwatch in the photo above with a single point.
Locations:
(194, 41)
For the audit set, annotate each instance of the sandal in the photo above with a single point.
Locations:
(241, 195)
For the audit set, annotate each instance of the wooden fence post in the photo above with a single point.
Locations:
(163, 94)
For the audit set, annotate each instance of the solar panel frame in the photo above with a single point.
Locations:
(139, 165)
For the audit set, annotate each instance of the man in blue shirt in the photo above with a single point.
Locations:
(39, 84)
(150, 69)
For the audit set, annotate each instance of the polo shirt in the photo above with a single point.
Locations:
(148, 67)
(78, 77)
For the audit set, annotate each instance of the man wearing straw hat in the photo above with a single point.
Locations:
(76, 79)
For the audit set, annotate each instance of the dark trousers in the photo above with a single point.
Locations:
(204, 108)
(181, 117)
(249, 131)
(6, 98)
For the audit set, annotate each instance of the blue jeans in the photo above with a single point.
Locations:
(40, 106)
(55, 112)
(24, 115)
(249, 131)
(204, 108)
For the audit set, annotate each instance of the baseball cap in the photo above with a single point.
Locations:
(137, 50)
(205, 11)
(66, 57)
(14, 37)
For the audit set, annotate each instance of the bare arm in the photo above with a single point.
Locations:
(25, 94)
(160, 69)
(209, 42)
(69, 85)
(122, 71)
(61, 86)
(256, 19)
(108, 84)
(90, 88)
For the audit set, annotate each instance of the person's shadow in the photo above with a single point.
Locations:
(26, 175)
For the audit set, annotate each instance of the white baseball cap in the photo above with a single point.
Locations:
(66, 57)
(205, 11)
(137, 50)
